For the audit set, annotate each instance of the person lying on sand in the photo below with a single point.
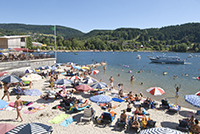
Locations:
(76, 105)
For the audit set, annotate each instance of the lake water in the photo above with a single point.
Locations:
(151, 75)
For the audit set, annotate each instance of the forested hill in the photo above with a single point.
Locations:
(40, 29)
(183, 33)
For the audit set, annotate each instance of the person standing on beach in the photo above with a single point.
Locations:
(6, 92)
(51, 82)
(18, 105)
(111, 82)
(177, 89)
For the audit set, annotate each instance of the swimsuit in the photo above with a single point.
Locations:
(19, 107)
(5, 92)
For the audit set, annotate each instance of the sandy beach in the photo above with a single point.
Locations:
(162, 117)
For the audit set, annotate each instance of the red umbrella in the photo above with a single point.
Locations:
(74, 77)
(2, 73)
(198, 93)
(83, 87)
(5, 127)
(156, 91)
(94, 72)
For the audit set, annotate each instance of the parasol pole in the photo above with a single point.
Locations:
(55, 40)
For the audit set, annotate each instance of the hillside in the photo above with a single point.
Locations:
(44, 29)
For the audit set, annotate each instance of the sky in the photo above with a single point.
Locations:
(88, 15)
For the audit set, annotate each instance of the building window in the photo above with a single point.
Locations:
(22, 39)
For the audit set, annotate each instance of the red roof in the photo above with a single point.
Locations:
(23, 49)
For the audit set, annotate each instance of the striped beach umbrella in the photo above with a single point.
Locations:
(99, 85)
(198, 93)
(31, 128)
(63, 82)
(193, 99)
(156, 91)
(74, 77)
(89, 81)
(94, 72)
(101, 99)
(10, 79)
(160, 131)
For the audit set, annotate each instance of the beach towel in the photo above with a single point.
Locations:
(33, 92)
(58, 118)
(117, 100)
(66, 122)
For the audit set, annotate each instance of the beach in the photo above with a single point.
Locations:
(162, 117)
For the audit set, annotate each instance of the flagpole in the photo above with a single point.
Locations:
(55, 40)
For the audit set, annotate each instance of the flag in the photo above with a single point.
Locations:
(53, 28)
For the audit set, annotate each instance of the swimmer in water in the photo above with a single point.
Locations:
(132, 77)
(118, 75)
(122, 69)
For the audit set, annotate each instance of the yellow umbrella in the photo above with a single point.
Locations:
(59, 70)
(85, 68)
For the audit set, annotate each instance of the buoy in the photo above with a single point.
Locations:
(167, 67)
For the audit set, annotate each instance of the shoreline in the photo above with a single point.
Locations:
(162, 118)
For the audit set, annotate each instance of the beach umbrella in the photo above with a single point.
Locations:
(101, 99)
(76, 67)
(29, 71)
(31, 128)
(2, 73)
(94, 72)
(3, 104)
(83, 87)
(198, 93)
(156, 91)
(5, 127)
(89, 81)
(41, 68)
(10, 79)
(47, 67)
(18, 73)
(74, 77)
(1, 54)
(59, 70)
(193, 99)
(160, 131)
(99, 85)
(62, 82)
(53, 68)
(85, 68)
(33, 77)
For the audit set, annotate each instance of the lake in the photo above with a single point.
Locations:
(150, 74)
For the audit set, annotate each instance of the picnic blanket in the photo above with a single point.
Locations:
(35, 109)
(66, 122)
(118, 100)
(33, 92)
(58, 118)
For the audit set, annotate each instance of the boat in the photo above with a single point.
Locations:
(166, 59)
(138, 56)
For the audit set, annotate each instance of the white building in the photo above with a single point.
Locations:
(17, 41)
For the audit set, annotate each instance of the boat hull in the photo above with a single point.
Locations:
(167, 61)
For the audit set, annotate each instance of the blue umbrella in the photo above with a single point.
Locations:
(42, 67)
(1, 54)
(193, 99)
(10, 79)
(160, 131)
(76, 67)
(62, 82)
(3, 104)
(99, 85)
(29, 71)
(47, 67)
(101, 99)
(31, 128)
(88, 81)
(53, 68)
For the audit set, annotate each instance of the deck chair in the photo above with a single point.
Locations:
(107, 118)
(18, 91)
(89, 114)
